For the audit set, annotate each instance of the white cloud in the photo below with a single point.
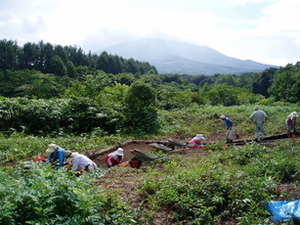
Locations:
(271, 36)
(245, 2)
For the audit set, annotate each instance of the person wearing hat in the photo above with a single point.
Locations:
(57, 154)
(291, 123)
(230, 130)
(80, 162)
(259, 117)
(114, 158)
(197, 141)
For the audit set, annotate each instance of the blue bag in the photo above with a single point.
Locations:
(284, 210)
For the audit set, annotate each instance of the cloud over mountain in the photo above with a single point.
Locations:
(183, 58)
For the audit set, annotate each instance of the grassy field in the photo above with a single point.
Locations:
(184, 123)
(222, 186)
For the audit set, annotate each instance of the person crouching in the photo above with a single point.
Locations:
(80, 162)
(197, 141)
(114, 158)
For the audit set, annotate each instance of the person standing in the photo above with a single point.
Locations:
(259, 117)
(230, 130)
(291, 123)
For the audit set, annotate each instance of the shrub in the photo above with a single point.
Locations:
(36, 193)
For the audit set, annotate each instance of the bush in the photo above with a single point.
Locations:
(36, 193)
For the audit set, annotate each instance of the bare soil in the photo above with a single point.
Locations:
(125, 181)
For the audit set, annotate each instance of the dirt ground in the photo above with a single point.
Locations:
(125, 180)
(99, 158)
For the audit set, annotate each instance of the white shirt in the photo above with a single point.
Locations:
(81, 161)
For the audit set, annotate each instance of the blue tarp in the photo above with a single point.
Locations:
(284, 210)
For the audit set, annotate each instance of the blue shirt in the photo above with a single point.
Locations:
(228, 122)
(58, 155)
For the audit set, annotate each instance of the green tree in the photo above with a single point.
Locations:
(89, 86)
(29, 56)
(111, 100)
(223, 95)
(44, 86)
(60, 51)
(46, 54)
(8, 54)
(228, 79)
(171, 97)
(71, 69)
(286, 86)
(125, 78)
(11, 81)
(140, 111)
(57, 66)
(263, 83)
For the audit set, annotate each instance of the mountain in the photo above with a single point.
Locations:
(183, 58)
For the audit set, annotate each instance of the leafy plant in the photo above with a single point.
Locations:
(36, 193)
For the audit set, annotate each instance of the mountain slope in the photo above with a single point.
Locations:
(183, 58)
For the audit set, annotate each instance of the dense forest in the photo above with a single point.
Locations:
(49, 88)
(68, 61)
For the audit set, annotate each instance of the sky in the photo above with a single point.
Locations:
(266, 31)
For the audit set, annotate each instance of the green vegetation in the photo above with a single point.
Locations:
(232, 183)
(184, 123)
(55, 94)
(64, 60)
(226, 184)
(35, 193)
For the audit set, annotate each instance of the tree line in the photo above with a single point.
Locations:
(64, 60)
(109, 102)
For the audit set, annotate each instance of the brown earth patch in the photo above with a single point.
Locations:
(124, 181)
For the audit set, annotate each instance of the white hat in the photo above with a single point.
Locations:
(222, 117)
(200, 137)
(52, 148)
(295, 114)
(256, 107)
(120, 152)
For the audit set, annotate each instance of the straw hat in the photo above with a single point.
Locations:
(52, 148)
(68, 153)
